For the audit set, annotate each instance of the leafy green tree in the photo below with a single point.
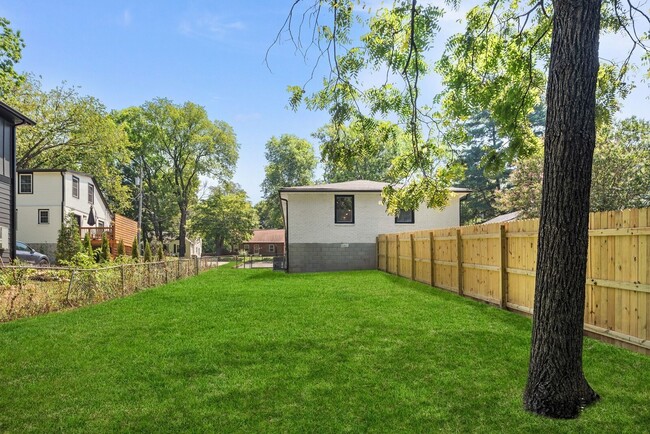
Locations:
(148, 256)
(621, 172)
(160, 213)
(290, 162)
(121, 251)
(11, 46)
(189, 145)
(105, 252)
(371, 153)
(72, 132)
(224, 218)
(135, 250)
(69, 241)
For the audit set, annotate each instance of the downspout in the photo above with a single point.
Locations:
(286, 229)
(62, 198)
(13, 220)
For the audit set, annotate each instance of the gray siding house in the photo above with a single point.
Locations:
(9, 120)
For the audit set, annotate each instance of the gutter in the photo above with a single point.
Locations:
(286, 230)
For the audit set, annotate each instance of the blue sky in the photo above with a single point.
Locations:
(208, 52)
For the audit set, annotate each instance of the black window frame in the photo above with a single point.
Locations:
(91, 193)
(31, 183)
(75, 180)
(336, 200)
(40, 221)
(399, 212)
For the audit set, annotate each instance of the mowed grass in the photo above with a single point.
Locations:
(258, 351)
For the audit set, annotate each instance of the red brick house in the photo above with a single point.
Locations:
(265, 242)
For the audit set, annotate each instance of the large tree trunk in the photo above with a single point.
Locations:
(182, 232)
(556, 384)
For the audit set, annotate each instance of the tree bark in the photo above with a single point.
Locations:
(182, 232)
(556, 384)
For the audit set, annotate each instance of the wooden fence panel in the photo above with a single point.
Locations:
(445, 259)
(498, 262)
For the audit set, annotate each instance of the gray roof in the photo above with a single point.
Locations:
(14, 115)
(361, 185)
(504, 218)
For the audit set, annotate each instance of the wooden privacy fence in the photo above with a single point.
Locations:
(496, 263)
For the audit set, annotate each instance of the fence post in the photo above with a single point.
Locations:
(503, 265)
(67, 296)
(413, 274)
(398, 251)
(197, 265)
(122, 275)
(459, 260)
(148, 273)
(432, 257)
(178, 269)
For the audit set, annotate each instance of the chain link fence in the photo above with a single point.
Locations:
(27, 291)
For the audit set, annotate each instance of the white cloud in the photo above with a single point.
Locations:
(208, 25)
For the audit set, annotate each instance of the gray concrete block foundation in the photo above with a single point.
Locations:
(312, 257)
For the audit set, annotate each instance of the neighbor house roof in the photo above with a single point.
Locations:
(267, 236)
(504, 218)
(353, 186)
(18, 118)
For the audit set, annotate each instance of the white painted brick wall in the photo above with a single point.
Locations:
(311, 218)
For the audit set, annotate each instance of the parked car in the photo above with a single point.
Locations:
(27, 254)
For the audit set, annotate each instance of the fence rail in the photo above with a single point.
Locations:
(496, 263)
(27, 291)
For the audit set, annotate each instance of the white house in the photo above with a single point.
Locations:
(45, 196)
(331, 227)
(193, 248)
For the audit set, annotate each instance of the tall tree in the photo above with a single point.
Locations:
(290, 162)
(621, 172)
(191, 146)
(371, 152)
(11, 46)
(160, 213)
(72, 132)
(494, 66)
(224, 218)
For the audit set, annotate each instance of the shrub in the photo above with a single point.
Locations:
(135, 250)
(159, 253)
(88, 246)
(120, 248)
(69, 242)
(105, 255)
(147, 251)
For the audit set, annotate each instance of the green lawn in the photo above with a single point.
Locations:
(254, 350)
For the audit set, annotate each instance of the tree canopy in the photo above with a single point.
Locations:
(290, 162)
(11, 46)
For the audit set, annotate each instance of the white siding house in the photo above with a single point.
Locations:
(193, 248)
(45, 196)
(335, 226)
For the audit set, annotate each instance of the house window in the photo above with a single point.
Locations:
(91, 193)
(404, 216)
(272, 248)
(43, 216)
(75, 187)
(246, 247)
(25, 183)
(100, 223)
(343, 209)
(257, 248)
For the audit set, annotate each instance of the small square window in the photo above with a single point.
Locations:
(272, 248)
(25, 183)
(43, 216)
(91, 193)
(343, 209)
(404, 216)
(75, 187)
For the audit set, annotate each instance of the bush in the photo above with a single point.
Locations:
(160, 254)
(88, 246)
(135, 250)
(69, 242)
(120, 249)
(147, 251)
(105, 255)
